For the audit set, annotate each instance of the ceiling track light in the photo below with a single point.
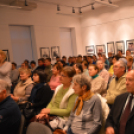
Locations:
(92, 7)
(73, 10)
(58, 8)
(80, 10)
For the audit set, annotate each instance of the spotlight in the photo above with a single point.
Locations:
(58, 8)
(110, 2)
(92, 7)
(73, 10)
(80, 10)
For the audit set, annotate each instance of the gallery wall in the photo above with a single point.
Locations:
(45, 27)
(106, 24)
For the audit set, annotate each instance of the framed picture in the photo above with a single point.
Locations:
(90, 50)
(120, 45)
(130, 45)
(44, 52)
(110, 47)
(100, 49)
(55, 52)
(7, 54)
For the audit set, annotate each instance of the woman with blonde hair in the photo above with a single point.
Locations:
(23, 89)
(5, 68)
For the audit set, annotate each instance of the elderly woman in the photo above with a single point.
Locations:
(63, 98)
(102, 71)
(5, 68)
(97, 82)
(23, 89)
(55, 79)
(86, 116)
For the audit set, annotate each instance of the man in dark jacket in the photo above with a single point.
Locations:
(121, 117)
(10, 115)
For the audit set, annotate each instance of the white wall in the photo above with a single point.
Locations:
(45, 24)
(107, 24)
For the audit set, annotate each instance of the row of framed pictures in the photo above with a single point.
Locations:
(45, 52)
(120, 45)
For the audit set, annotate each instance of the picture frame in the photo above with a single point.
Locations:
(130, 45)
(110, 47)
(100, 49)
(7, 55)
(120, 45)
(90, 50)
(55, 52)
(44, 52)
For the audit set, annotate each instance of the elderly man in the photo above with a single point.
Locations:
(117, 86)
(102, 71)
(121, 117)
(10, 115)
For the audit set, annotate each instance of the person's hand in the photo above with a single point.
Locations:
(14, 98)
(64, 131)
(45, 111)
(109, 130)
(40, 116)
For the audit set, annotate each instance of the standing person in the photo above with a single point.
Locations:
(102, 71)
(121, 119)
(55, 79)
(48, 68)
(5, 69)
(10, 115)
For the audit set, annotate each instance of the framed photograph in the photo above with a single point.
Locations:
(55, 52)
(100, 49)
(44, 52)
(110, 47)
(120, 45)
(130, 45)
(7, 54)
(90, 50)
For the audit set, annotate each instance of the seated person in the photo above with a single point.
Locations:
(102, 71)
(33, 65)
(41, 65)
(130, 64)
(78, 68)
(61, 63)
(121, 119)
(86, 116)
(23, 89)
(63, 98)
(98, 84)
(14, 76)
(10, 115)
(117, 86)
(111, 70)
(85, 66)
(41, 93)
(55, 79)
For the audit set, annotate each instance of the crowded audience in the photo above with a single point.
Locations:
(76, 94)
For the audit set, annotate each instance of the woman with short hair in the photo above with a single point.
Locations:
(55, 79)
(86, 116)
(97, 82)
(23, 89)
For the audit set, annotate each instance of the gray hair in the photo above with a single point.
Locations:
(122, 63)
(3, 85)
(82, 80)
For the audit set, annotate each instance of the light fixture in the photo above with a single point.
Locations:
(110, 2)
(92, 7)
(73, 10)
(58, 8)
(80, 10)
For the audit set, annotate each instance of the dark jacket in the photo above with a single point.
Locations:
(115, 113)
(42, 98)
